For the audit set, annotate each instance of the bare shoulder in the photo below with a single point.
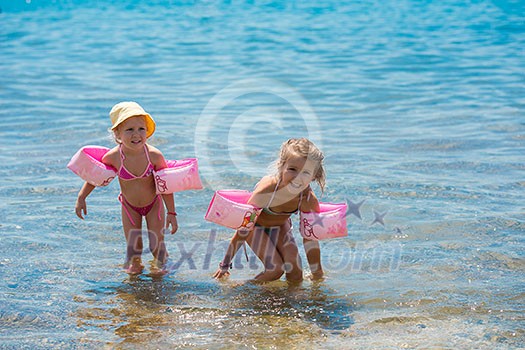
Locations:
(112, 157)
(263, 191)
(154, 151)
(265, 185)
(156, 157)
(310, 202)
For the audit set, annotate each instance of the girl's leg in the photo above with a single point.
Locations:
(157, 245)
(288, 250)
(265, 249)
(134, 245)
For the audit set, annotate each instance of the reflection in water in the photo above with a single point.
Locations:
(141, 311)
(146, 311)
(309, 304)
(418, 117)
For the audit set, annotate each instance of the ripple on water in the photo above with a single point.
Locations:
(421, 117)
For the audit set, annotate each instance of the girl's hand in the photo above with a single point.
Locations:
(220, 273)
(172, 220)
(81, 207)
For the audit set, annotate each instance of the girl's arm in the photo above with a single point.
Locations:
(171, 216)
(80, 205)
(257, 199)
(311, 247)
(236, 242)
(313, 255)
(87, 188)
(159, 162)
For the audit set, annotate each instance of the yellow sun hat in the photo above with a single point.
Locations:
(124, 110)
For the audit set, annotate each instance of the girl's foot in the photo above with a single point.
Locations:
(135, 267)
(158, 269)
(317, 275)
(158, 272)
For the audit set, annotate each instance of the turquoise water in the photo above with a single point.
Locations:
(418, 106)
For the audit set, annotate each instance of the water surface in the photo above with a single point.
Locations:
(417, 105)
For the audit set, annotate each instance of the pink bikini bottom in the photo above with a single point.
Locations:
(142, 211)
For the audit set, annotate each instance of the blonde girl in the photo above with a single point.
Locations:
(136, 161)
(280, 195)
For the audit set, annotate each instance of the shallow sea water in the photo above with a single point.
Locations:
(418, 106)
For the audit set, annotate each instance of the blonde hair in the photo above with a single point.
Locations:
(304, 148)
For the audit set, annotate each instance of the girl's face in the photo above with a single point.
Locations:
(132, 132)
(297, 174)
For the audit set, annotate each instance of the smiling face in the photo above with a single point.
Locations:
(303, 159)
(132, 132)
(297, 173)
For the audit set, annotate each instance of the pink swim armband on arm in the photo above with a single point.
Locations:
(230, 208)
(87, 163)
(180, 175)
(330, 222)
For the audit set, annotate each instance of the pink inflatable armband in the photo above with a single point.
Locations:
(230, 208)
(87, 163)
(329, 223)
(180, 175)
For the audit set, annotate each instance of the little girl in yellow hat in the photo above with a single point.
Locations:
(135, 161)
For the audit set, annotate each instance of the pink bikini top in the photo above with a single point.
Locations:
(125, 174)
